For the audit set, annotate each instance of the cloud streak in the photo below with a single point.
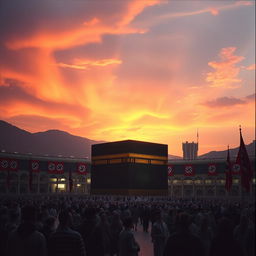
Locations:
(229, 101)
(213, 10)
(86, 64)
(226, 72)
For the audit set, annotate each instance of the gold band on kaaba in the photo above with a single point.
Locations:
(129, 158)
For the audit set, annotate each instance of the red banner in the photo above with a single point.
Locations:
(212, 170)
(55, 167)
(13, 165)
(81, 168)
(60, 167)
(4, 164)
(189, 170)
(245, 165)
(170, 170)
(34, 166)
(236, 169)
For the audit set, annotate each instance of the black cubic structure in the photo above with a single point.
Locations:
(129, 167)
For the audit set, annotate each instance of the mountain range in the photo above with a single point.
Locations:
(60, 143)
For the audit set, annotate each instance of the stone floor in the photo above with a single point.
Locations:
(144, 240)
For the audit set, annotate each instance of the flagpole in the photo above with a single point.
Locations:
(241, 184)
(229, 171)
(242, 189)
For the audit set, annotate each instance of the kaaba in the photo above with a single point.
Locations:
(129, 167)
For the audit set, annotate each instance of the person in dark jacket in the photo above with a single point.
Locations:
(92, 234)
(183, 242)
(116, 227)
(127, 244)
(49, 227)
(224, 243)
(145, 216)
(65, 241)
(26, 240)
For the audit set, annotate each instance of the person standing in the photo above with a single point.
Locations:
(224, 243)
(26, 240)
(145, 216)
(159, 234)
(127, 244)
(65, 241)
(183, 242)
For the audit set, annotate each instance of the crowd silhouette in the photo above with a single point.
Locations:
(106, 226)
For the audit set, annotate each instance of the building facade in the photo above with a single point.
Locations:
(205, 179)
(27, 174)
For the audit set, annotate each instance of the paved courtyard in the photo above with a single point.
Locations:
(144, 240)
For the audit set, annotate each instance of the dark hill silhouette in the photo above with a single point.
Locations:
(51, 143)
(173, 157)
(56, 142)
(233, 152)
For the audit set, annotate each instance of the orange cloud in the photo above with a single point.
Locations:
(246, 3)
(86, 64)
(212, 10)
(65, 39)
(251, 67)
(134, 8)
(226, 72)
(88, 32)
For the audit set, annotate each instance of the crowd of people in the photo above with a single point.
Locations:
(106, 226)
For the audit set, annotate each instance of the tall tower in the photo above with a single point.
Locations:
(190, 149)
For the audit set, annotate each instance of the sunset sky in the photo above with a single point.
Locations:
(122, 69)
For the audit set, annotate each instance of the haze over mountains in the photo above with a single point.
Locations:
(55, 142)
(52, 142)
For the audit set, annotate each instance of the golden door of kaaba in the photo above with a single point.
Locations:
(129, 168)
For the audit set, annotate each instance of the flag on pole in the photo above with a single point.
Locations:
(189, 170)
(70, 182)
(170, 171)
(4, 164)
(13, 165)
(212, 169)
(245, 165)
(34, 166)
(228, 184)
(82, 168)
